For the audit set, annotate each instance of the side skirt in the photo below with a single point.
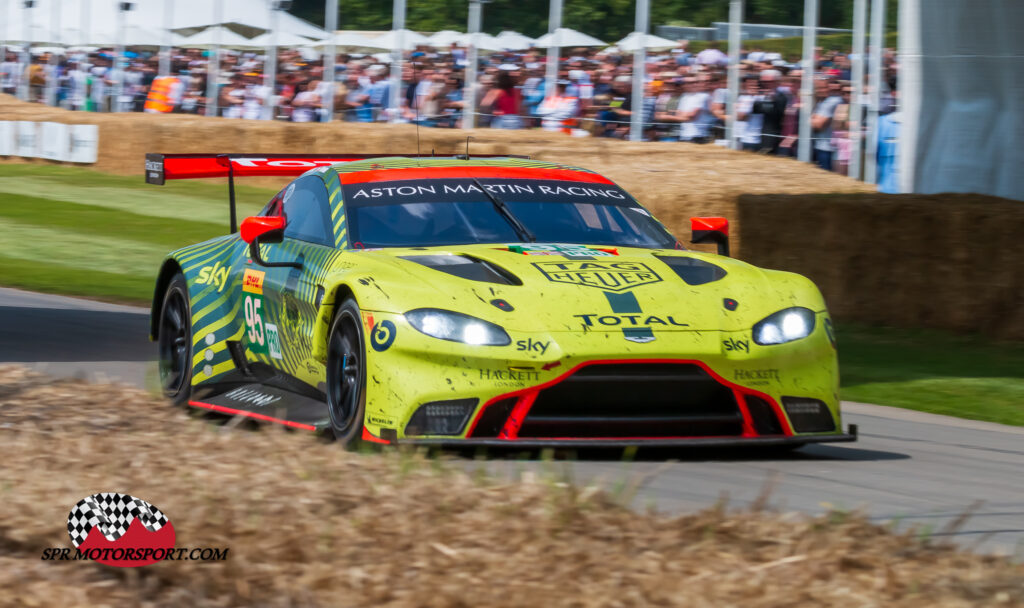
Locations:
(277, 399)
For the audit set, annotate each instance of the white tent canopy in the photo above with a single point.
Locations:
(284, 39)
(484, 42)
(217, 35)
(514, 41)
(410, 40)
(247, 17)
(347, 40)
(636, 41)
(444, 38)
(567, 37)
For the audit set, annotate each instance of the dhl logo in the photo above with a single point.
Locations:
(252, 281)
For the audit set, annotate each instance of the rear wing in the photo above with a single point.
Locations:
(162, 167)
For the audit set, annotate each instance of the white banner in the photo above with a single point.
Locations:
(84, 143)
(26, 140)
(53, 141)
(6, 138)
(960, 98)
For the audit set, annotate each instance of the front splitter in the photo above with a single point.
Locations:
(695, 442)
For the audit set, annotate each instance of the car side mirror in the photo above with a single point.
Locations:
(260, 229)
(269, 229)
(711, 230)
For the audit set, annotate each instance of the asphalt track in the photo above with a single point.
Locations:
(908, 468)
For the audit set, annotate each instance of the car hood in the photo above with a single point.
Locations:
(532, 287)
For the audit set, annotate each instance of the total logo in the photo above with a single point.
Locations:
(216, 275)
(628, 320)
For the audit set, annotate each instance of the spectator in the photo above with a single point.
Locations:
(773, 107)
(617, 118)
(827, 92)
(306, 102)
(749, 120)
(695, 112)
(560, 110)
(505, 102)
(9, 74)
(712, 56)
(666, 110)
(682, 54)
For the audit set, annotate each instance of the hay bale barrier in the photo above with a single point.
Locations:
(307, 524)
(674, 180)
(948, 261)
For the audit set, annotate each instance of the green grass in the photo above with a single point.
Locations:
(969, 376)
(78, 232)
(75, 231)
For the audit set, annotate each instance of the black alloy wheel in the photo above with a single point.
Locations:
(346, 374)
(174, 341)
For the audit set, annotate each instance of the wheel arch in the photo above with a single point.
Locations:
(168, 269)
(334, 296)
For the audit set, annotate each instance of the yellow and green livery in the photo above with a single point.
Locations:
(490, 301)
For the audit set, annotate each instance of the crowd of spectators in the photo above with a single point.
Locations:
(684, 99)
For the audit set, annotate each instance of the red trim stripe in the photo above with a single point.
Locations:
(367, 436)
(386, 175)
(265, 418)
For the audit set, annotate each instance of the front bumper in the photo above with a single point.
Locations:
(738, 396)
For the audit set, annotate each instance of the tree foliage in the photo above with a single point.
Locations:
(606, 19)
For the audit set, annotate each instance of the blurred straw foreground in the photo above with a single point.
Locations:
(307, 524)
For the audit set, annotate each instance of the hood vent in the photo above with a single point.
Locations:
(466, 267)
(694, 271)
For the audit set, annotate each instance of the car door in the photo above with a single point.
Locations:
(280, 318)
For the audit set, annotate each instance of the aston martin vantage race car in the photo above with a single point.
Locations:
(485, 301)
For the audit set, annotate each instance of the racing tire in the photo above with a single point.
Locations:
(346, 375)
(174, 342)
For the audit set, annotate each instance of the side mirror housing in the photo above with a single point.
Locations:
(258, 230)
(711, 230)
(268, 229)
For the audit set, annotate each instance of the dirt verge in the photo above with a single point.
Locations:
(307, 524)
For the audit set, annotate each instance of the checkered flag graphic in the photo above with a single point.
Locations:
(113, 513)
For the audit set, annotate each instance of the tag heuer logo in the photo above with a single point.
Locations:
(609, 276)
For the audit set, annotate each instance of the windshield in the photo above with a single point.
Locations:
(411, 213)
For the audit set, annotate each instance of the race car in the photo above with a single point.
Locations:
(494, 301)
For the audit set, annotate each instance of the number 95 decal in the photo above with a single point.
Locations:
(263, 337)
(254, 321)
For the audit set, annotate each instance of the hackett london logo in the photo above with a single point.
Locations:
(608, 276)
(124, 531)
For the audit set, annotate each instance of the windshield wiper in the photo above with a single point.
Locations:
(520, 228)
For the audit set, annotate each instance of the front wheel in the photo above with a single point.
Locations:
(174, 342)
(346, 374)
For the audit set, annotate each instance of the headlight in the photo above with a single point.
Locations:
(784, 326)
(457, 327)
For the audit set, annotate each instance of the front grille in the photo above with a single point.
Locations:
(635, 400)
(763, 416)
(493, 419)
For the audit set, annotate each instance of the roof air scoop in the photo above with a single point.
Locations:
(466, 267)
